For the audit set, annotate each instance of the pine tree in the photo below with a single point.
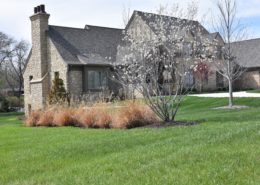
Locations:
(58, 93)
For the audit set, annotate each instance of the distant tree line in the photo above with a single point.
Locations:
(13, 55)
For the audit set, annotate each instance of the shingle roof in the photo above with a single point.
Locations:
(92, 45)
(151, 18)
(247, 52)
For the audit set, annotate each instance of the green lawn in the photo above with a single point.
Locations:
(224, 149)
(254, 91)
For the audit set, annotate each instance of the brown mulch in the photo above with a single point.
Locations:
(172, 124)
(233, 107)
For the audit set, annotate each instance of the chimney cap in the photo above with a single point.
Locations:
(39, 9)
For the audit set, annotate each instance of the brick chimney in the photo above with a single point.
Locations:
(39, 27)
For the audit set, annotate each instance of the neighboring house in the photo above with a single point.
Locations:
(248, 56)
(84, 58)
(143, 25)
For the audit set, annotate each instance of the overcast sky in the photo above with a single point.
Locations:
(14, 14)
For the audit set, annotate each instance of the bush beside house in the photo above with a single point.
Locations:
(4, 106)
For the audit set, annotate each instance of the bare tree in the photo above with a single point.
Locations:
(5, 47)
(175, 10)
(161, 66)
(227, 23)
(6, 50)
(14, 65)
(126, 14)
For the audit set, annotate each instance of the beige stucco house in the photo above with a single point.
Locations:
(84, 57)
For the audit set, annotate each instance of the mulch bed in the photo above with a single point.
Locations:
(233, 107)
(172, 124)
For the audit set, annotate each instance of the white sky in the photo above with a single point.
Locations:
(14, 14)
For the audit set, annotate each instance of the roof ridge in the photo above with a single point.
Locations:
(104, 27)
(138, 11)
(66, 27)
(84, 28)
(253, 39)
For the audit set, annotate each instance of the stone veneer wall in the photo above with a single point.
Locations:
(56, 64)
(139, 29)
(211, 84)
(249, 80)
(36, 92)
(37, 66)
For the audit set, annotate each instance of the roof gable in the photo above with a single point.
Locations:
(149, 18)
(74, 44)
(247, 52)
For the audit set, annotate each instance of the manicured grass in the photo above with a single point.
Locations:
(223, 149)
(254, 91)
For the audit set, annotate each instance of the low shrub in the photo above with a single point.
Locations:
(15, 101)
(4, 106)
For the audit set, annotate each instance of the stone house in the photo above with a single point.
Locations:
(84, 57)
(248, 56)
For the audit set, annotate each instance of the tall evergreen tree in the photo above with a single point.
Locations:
(58, 93)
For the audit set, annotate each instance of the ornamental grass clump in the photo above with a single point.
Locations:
(103, 119)
(64, 117)
(88, 118)
(33, 118)
(130, 115)
(46, 119)
(134, 115)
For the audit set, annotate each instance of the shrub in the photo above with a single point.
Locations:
(15, 101)
(58, 93)
(4, 106)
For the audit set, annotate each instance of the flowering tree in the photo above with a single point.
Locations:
(157, 62)
(201, 73)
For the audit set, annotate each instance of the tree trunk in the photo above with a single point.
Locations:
(230, 88)
(19, 93)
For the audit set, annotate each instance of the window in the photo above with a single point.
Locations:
(29, 108)
(96, 80)
(30, 79)
(187, 49)
(56, 75)
(189, 79)
(219, 80)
